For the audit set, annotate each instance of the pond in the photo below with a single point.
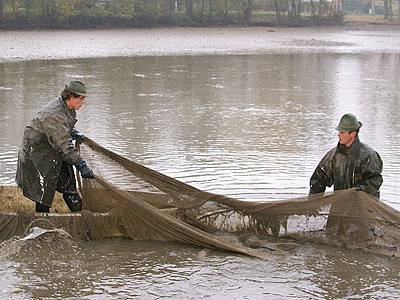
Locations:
(249, 126)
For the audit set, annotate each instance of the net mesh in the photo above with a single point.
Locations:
(151, 205)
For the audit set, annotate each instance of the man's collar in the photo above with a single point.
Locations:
(355, 145)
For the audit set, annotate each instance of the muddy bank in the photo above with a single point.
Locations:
(64, 44)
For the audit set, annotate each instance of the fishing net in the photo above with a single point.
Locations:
(151, 205)
(17, 218)
(145, 211)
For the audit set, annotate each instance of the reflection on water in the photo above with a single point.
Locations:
(253, 127)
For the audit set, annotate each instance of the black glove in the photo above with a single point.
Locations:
(77, 136)
(85, 171)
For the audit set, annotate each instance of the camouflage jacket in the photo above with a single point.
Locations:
(46, 143)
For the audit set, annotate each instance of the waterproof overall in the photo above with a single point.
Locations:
(47, 155)
(345, 167)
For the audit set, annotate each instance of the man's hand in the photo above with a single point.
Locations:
(84, 170)
(77, 136)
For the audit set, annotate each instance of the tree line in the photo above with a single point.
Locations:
(135, 13)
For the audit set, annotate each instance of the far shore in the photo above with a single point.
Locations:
(357, 38)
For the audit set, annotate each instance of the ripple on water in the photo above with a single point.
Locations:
(251, 126)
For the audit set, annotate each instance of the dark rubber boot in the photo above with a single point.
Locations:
(42, 208)
(73, 201)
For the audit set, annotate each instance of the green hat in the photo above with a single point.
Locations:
(348, 123)
(76, 87)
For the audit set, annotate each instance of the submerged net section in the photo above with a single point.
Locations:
(17, 217)
(152, 205)
(348, 218)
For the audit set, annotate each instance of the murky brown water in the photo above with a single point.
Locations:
(249, 126)
(122, 269)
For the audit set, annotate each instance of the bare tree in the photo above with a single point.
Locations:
(320, 8)
(189, 8)
(278, 9)
(312, 9)
(281, 6)
(1, 9)
(372, 7)
(211, 5)
(336, 8)
(169, 7)
(299, 8)
(247, 11)
(48, 8)
(398, 5)
(293, 10)
(226, 10)
(202, 8)
(388, 9)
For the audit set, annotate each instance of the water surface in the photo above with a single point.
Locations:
(123, 269)
(253, 127)
(248, 126)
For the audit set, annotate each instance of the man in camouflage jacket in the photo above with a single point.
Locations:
(47, 153)
(350, 164)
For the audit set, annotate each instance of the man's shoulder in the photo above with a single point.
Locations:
(50, 110)
(53, 106)
(330, 154)
(333, 150)
(367, 149)
(367, 152)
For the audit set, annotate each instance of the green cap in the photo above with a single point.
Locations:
(76, 87)
(348, 123)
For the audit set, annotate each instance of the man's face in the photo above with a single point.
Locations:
(76, 102)
(346, 137)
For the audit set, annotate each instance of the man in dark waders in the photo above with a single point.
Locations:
(349, 164)
(47, 154)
